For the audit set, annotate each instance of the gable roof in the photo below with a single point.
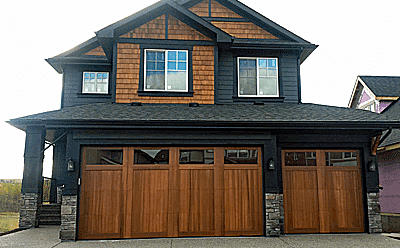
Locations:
(383, 86)
(106, 36)
(269, 116)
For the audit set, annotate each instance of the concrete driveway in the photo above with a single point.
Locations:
(47, 237)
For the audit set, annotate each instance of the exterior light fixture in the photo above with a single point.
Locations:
(70, 165)
(372, 165)
(271, 164)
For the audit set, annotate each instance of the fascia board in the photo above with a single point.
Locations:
(353, 92)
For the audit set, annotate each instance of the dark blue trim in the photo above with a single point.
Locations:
(165, 94)
(216, 80)
(257, 99)
(166, 26)
(167, 42)
(209, 8)
(113, 78)
(225, 19)
(94, 95)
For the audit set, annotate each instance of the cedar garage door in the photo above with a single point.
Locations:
(138, 192)
(322, 191)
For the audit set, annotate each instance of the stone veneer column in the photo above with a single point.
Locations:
(274, 214)
(32, 181)
(374, 213)
(68, 217)
(30, 210)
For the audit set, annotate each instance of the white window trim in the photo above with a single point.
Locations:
(96, 72)
(166, 70)
(258, 83)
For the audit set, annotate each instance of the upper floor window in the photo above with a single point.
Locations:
(166, 70)
(258, 77)
(95, 82)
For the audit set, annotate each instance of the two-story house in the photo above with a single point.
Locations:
(381, 94)
(185, 119)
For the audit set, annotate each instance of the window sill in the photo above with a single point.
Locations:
(165, 94)
(258, 99)
(94, 95)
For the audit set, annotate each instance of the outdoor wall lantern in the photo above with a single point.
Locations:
(70, 165)
(271, 164)
(372, 165)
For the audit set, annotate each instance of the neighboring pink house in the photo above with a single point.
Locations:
(381, 94)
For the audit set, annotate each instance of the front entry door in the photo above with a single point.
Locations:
(322, 191)
(139, 192)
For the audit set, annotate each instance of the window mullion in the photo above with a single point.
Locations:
(165, 70)
(258, 81)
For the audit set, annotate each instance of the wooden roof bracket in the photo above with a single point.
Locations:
(376, 141)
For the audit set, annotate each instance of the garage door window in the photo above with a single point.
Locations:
(151, 156)
(95, 156)
(300, 159)
(240, 156)
(341, 158)
(196, 157)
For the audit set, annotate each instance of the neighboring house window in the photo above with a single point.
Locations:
(258, 77)
(166, 70)
(95, 82)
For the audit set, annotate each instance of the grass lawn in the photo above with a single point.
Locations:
(8, 221)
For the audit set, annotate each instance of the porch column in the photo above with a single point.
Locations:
(32, 185)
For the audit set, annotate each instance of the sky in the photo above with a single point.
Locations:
(354, 38)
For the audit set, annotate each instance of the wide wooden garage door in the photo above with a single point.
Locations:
(139, 192)
(322, 191)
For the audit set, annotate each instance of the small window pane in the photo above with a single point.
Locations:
(151, 156)
(171, 66)
(196, 157)
(150, 65)
(160, 66)
(89, 87)
(182, 56)
(300, 159)
(104, 157)
(271, 72)
(182, 66)
(171, 55)
(262, 63)
(272, 63)
(243, 156)
(262, 72)
(151, 56)
(341, 159)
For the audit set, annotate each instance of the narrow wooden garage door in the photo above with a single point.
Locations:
(322, 191)
(170, 192)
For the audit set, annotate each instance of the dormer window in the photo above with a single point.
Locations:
(258, 77)
(95, 82)
(166, 70)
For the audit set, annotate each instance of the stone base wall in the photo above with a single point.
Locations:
(31, 205)
(274, 214)
(68, 217)
(374, 213)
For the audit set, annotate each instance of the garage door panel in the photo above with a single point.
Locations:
(301, 201)
(242, 201)
(345, 193)
(149, 203)
(196, 202)
(102, 201)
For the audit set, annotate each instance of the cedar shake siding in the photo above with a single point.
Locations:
(155, 29)
(98, 51)
(128, 69)
(217, 10)
(245, 30)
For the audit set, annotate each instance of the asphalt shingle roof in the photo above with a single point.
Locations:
(268, 113)
(383, 85)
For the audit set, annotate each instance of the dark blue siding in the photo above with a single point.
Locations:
(72, 87)
(288, 76)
